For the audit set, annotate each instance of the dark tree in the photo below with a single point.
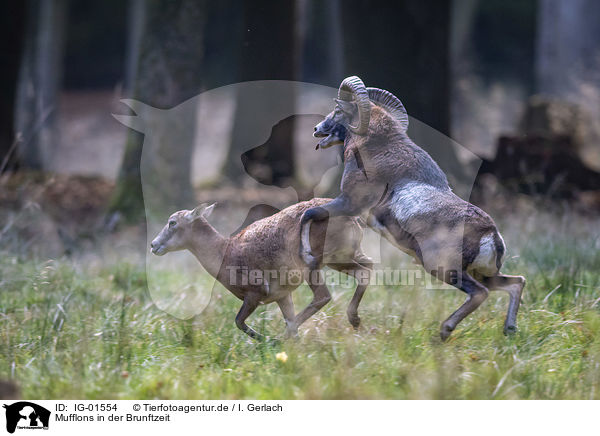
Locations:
(12, 28)
(403, 47)
(165, 69)
(39, 81)
(269, 52)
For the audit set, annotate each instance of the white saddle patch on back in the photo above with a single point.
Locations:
(414, 199)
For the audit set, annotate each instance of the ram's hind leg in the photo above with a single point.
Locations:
(476, 294)
(514, 286)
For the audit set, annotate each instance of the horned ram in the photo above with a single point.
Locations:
(407, 199)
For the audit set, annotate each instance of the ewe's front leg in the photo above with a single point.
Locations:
(250, 304)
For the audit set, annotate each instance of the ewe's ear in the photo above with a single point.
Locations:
(201, 211)
(208, 210)
(197, 212)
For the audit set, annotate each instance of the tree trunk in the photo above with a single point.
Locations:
(322, 48)
(269, 52)
(39, 82)
(12, 25)
(169, 46)
(403, 47)
(567, 47)
(568, 60)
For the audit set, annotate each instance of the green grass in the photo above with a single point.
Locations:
(89, 330)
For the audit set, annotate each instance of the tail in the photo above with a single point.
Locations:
(305, 249)
(500, 250)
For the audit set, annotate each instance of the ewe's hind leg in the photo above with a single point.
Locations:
(476, 294)
(363, 281)
(286, 304)
(514, 286)
(320, 299)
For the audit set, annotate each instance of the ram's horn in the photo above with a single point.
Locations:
(390, 103)
(352, 88)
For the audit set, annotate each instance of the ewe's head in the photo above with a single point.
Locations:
(353, 112)
(177, 234)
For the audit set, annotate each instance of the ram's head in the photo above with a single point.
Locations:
(351, 106)
(352, 112)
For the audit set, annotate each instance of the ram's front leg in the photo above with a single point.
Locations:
(340, 206)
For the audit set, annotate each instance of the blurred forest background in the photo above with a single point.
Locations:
(515, 82)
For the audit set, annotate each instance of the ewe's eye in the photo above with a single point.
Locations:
(172, 224)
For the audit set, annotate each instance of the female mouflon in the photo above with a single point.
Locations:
(266, 246)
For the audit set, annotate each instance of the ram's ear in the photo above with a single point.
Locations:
(346, 106)
(208, 210)
(197, 212)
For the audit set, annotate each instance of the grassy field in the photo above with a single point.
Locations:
(76, 329)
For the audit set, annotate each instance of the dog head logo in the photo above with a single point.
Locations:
(196, 139)
(227, 132)
(26, 415)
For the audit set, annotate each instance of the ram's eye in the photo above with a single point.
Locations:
(172, 224)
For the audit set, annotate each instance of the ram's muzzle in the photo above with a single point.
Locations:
(331, 134)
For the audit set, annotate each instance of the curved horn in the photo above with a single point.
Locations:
(390, 103)
(354, 87)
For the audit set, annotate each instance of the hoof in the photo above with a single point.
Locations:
(273, 342)
(291, 334)
(354, 321)
(510, 330)
(313, 264)
(445, 332)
